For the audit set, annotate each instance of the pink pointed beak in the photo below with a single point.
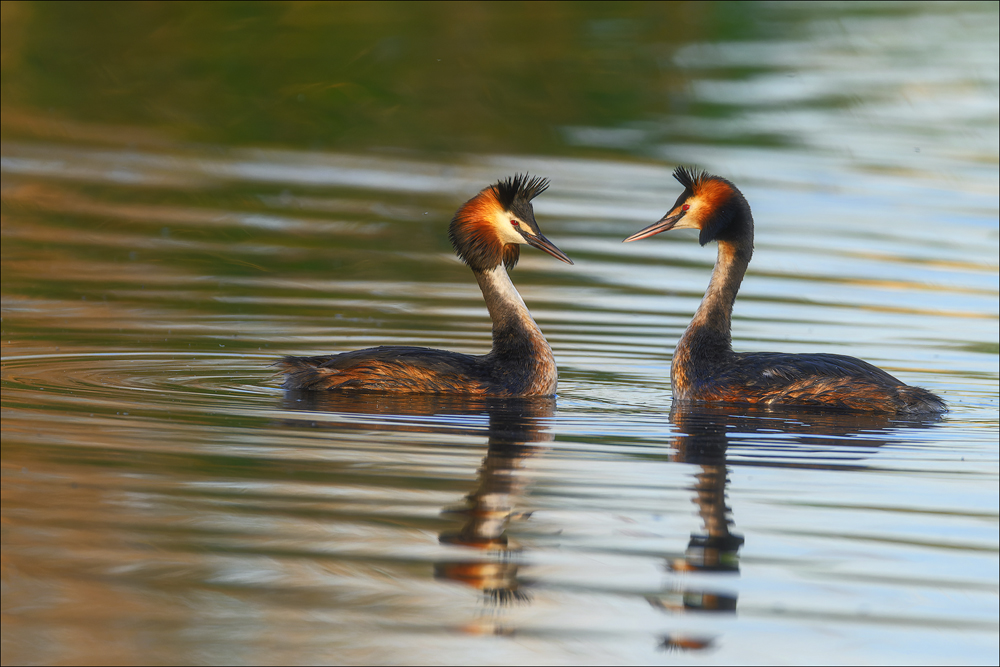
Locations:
(665, 223)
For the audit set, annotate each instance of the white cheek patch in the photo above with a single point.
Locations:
(507, 232)
(692, 217)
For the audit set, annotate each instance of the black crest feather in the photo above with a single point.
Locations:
(518, 189)
(690, 178)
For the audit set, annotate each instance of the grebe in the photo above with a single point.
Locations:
(704, 366)
(486, 232)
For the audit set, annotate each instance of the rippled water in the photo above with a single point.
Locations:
(165, 501)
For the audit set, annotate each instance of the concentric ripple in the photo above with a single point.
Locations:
(103, 381)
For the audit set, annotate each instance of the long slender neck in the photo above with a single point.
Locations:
(514, 330)
(710, 330)
(707, 343)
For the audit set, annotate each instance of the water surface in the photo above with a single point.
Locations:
(177, 214)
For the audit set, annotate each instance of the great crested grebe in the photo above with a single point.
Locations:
(487, 232)
(704, 366)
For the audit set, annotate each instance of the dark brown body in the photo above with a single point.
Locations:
(520, 363)
(807, 380)
(705, 367)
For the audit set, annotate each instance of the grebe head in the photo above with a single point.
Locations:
(709, 203)
(491, 227)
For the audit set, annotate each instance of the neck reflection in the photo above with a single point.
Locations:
(516, 432)
(705, 436)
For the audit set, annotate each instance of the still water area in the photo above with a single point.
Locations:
(173, 224)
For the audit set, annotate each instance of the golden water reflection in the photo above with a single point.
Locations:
(490, 562)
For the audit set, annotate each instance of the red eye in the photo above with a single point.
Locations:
(514, 222)
(685, 207)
